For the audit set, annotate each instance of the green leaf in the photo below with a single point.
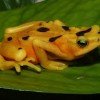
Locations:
(77, 79)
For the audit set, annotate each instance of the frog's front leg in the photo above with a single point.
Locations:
(44, 61)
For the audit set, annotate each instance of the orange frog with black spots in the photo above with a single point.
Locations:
(42, 42)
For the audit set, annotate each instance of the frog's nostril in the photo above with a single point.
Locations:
(19, 48)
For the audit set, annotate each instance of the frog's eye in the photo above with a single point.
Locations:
(82, 43)
(9, 38)
(25, 37)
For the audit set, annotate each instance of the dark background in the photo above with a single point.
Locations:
(15, 94)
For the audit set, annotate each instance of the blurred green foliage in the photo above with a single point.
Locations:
(11, 4)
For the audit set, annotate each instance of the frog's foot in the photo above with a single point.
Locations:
(47, 63)
(30, 65)
(53, 65)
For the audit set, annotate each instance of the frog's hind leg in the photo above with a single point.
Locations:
(45, 62)
(20, 27)
(51, 48)
(5, 65)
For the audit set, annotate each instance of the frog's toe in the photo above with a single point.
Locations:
(30, 65)
(53, 65)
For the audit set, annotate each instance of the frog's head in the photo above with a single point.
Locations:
(79, 42)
